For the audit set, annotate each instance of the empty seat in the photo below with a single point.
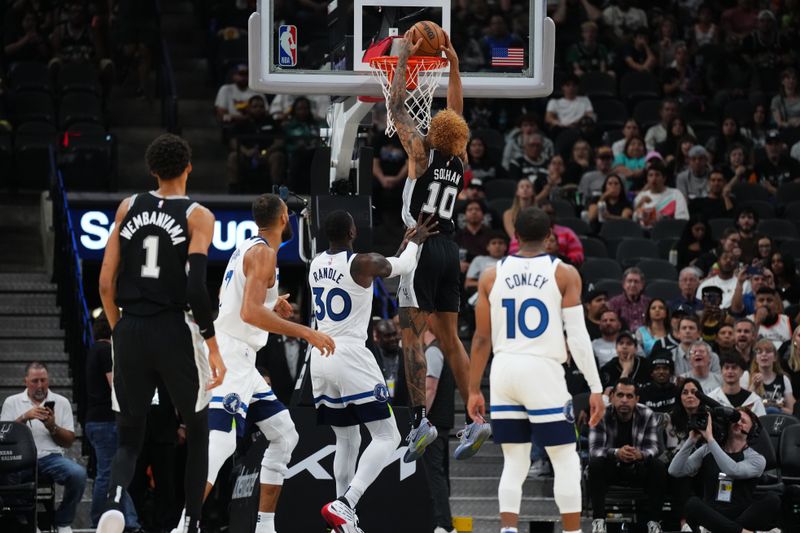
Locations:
(790, 454)
(500, 188)
(718, 226)
(657, 269)
(611, 114)
(86, 162)
(575, 224)
(593, 247)
(647, 113)
(791, 247)
(564, 141)
(631, 251)
(612, 286)
(6, 151)
(80, 107)
(775, 424)
(32, 144)
(77, 77)
(563, 209)
(665, 246)
(667, 228)
(639, 86)
(663, 288)
(762, 208)
(789, 193)
(595, 268)
(742, 110)
(778, 229)
(598, 85)
(747, 192)
(27, 106)
(494, 140)
(792, 211)
(499, 205)
(621, 229)
(29, 75)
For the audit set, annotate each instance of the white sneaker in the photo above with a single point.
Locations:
(686, 528)
(179, 527)
(112, 521)
(598, 525)
(443, 530)
(773, 530)
(539, 468)
(653, 527)
(64, 529)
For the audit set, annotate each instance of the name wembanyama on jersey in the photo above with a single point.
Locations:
(435, 191)
(154, 248)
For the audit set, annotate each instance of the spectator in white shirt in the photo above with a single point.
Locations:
(771, 323)
(731, 393)
(605, 348)
(567, 111)
(629, 130)
(658, 133)
(232, 98)
(49, 416)
(656, 201)
(700, 354)
(724, 279)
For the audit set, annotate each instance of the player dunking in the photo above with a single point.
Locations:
(524, 306)
(349, 389)
(435, 177)
(156, 235)
(249, 310)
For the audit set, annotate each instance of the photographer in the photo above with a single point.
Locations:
(730, 474)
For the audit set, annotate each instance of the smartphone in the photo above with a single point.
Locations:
(50, 405)
(753, 270)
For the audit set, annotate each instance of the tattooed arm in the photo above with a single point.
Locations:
(413, 142)
(414, 322)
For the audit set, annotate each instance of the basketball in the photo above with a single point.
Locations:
(432, 36)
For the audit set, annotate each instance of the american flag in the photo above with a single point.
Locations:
(508, 57)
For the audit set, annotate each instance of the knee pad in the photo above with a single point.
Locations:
(516, 463)
(567, 477)
(221, 445)
(283, 438)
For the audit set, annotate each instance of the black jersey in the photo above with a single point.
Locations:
(435, 191)
(154, 249)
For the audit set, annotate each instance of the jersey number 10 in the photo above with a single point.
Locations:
(516, 317)
(444, 203)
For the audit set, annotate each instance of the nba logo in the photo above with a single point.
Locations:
(287, 45)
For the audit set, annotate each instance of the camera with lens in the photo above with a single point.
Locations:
(722, 416)
(294, 202)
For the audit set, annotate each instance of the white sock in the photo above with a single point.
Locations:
(508, 530)
(576, 531)
(265, 523)
(352, 495)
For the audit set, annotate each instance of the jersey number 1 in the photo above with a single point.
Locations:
(516, 317)
(150, 268)
(444, 203)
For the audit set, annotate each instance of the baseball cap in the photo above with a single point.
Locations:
(476, 182)
(773, 136)
(242, 67)
(766, 14)
(653, 155)
(627, 334)
(604, 151)
(711, 289)
(682, 310)
(592, 293)
(698, 151)
(661, 356)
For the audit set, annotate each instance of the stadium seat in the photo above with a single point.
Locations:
(593, 247)
(635, 86)
(631, 251)
(790, 454)
(667, 228)
(494, 140)
(612, 136)
(86, 162)
(229, 53)
(778, 229)
(499, 205)
(29, 76)
(563, 208)
(718, 226)
(500, 188)
(19, 457)
(597, 85)
(564, 141)
(791, 247)
(747, 192)
(658, 269)
(77, 77)
(32, 144)
(662, 288)
(704, 133)
(788, 193)
(621, 229)
(596, 268)
(792, 211)
(29, 106)
(575, 224)
(774, 425)
(665, 246)
(647, 113)
(612, 286)
(762, 208)
(6, 151)
(79, 107)
(611, 114)
(742, 110)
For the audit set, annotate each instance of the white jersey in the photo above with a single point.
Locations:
(342, 306)
(525, 306)
(231, 295)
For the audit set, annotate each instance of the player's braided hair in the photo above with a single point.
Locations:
(448, 132)
(168, 156)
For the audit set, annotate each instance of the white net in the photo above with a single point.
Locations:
(422, 78)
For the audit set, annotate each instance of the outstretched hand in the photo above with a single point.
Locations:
(449, 51)
(407, 46)
(425, 228)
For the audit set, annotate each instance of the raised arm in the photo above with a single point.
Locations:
(455, 92)
(110, 269)
(412, 141)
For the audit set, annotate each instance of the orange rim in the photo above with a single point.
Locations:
(424, 62)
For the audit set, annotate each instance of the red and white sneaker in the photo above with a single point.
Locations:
(341, 517)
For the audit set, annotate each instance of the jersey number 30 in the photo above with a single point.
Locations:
(516, 317)
(443, 203)
(326, 307)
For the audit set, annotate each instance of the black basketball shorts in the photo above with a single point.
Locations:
(165, 348)
(435, 283)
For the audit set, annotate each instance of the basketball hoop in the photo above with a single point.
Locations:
(422, 78)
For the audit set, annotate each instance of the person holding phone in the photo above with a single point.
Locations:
(49, 416)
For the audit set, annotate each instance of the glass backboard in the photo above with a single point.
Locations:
(317, 47)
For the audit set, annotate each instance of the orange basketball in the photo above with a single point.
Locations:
(432, 36)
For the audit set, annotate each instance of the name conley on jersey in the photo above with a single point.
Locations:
(444, 174)
(526, 280)
(327, 273)
(160, 219)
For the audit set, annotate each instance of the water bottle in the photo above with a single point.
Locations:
(601, 211)
(673, 257)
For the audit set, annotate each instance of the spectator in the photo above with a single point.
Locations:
(785, 105)
(595, 301)
(688, 282)
(632, 303)
(765, 248)
(746, 222)
(256, 150)
(605, 346)
(23, 40)
(590, 187)
(790, 361)
(624, 447)
(738, 22)
(482, 162)
(136, 28)
(630, 164)
(49, 417)
(100, 426)
(686, 404)
(498, 36)
(786, 279)
(689, 334)
(390, 358)
(569, 15)
(759, 126)
(77, 42)
(672, 339)
(731, 392)
(549, 186)
(730, 135)
(659, 394)
(766, 51)
(705, 31)
(496, 249)
(693, 182)
(232, 98)
(532, 164)
(569, 244)
(655, 327)
(744, 300)
(680, 81)
(567, 111)
(474, 191)
(587, 55)
(656, 201)
(770, 322)
(744, 331)
(282, 105)
(667, 43)
(623, 18)
(778, 167)
(713, 317)
(613, 202)
(708, 262)
(626, 364)
(695, 241)
(736, 165)
(440, 388)
(680, 159)
(580, 162)
(302, 138)
(528, 125)
(728, 507)
(766, 378)
(701, 367)
(390, 168)
(658, 133)
(638, 57)
(669, 146)
(725, 340)
(718, 202)
(724, 280)
(629, 131)
(522, 198)
(474, 237)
